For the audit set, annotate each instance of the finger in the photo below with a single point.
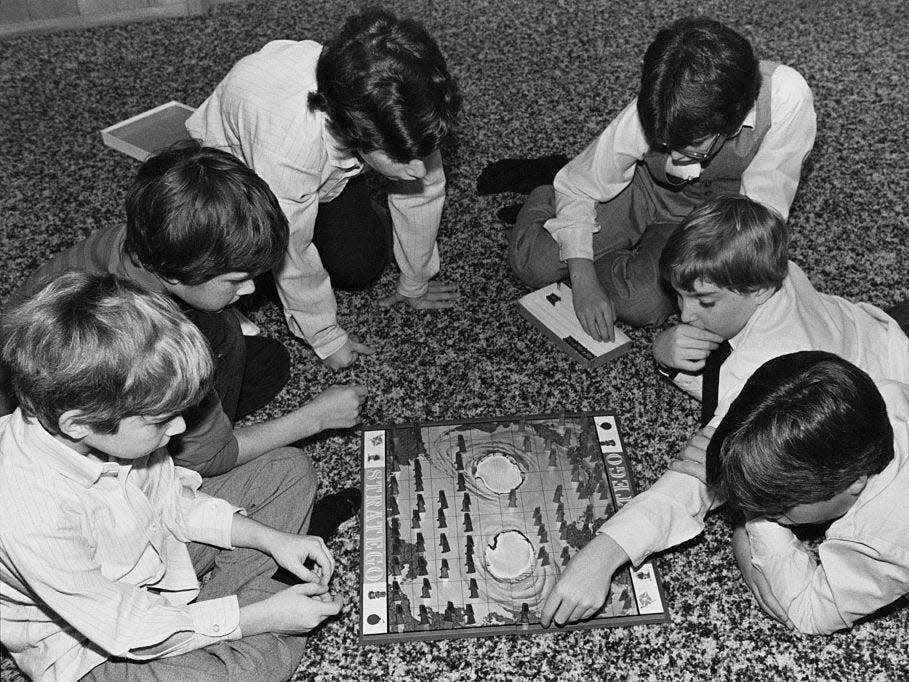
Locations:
(362, 349)
(607, 329)
(330, 607)
(589, 325)
(563, 615)
(324, 559)
(310, 589)
(684, 466)
(549, 608)
(442, 286)
(429, 304)
(360, 390)
(389, 301)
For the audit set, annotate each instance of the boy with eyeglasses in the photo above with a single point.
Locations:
(709, 119)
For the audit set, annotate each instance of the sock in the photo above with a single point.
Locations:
(332, 510)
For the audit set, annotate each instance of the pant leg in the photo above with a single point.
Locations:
(260, 658)
(277, 489)
(900, 313)
(632, 279)
(352, 239)
(626, 257)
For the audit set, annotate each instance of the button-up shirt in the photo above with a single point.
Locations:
(93, 556)
(260, 114)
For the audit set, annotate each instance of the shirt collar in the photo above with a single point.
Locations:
(62, 458)
(750, 118)
(338, 156)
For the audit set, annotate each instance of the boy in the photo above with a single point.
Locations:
(709, 118)
(199, 226)
(812, 440)
(102, 537)
(728, 264)
(309, 119)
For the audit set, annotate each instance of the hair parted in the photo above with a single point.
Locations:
(730, 241)
(699, 78)
(384, 86)
(105, 347)
(194, 213)
(804, 428)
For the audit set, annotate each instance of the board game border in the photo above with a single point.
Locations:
(496, 630)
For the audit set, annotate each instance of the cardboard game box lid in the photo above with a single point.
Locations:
(149, 132)
(551, 309)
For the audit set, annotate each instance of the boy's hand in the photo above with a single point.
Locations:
(438, 295)
(693, 460)
(592, 304)
(757, 584)
(348, 353)
(293, 611)
(685, 347)
(293, 551)
(338, 406)
(584, 585)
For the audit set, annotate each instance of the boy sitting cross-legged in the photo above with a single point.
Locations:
(728, 264)
(812, 440)
(102, 537)
(200, 225)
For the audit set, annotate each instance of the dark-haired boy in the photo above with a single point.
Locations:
(309, 119)
(812, 440)
(199, 226)
(709, 118)
(103, 539)
(728, 262)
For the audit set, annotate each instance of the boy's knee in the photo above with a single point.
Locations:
(644, 307)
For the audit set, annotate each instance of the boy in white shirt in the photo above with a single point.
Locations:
(102, 538)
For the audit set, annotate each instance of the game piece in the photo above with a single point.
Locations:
(150, 132)
(500, 557)
(441, 522)
(421, 504)
(551, 309)
(427, 592)
(393, 506)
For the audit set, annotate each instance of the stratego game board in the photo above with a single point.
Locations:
(467, 525)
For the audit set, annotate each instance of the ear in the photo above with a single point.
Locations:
(71, 425)
(857, 486)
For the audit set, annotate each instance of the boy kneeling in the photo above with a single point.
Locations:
(812, 440)
(102, 537)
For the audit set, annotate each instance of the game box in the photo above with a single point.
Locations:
(149, 132)
(466, 526)
(551, 309)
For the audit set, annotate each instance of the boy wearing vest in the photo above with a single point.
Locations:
(709, 119)
(728, 263)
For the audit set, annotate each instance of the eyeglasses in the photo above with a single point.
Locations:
(693, 155)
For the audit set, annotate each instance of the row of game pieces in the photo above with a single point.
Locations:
(451, 616)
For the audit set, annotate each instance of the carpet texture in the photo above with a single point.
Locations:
(539, 77)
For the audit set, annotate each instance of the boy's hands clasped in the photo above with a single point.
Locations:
(685, 347)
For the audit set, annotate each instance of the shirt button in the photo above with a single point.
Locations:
(217, 628)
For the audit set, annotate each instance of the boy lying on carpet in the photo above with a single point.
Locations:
(709, 118)
(103, 582)
(199, 226)
(811, 440)
(309, 119)
(728, 264)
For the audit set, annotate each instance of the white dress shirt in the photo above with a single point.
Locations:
(260, 114)
(93, 556)
(864, 557)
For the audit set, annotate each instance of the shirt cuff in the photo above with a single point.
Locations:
(769, 538)
(411, 288)
(575, 242)
(217, 618)
(631, 532)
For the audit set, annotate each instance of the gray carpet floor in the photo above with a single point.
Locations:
(539, 76)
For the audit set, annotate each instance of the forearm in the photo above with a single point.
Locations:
(257, 439)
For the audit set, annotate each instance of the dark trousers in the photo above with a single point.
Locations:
(249, 370)
(353, 236)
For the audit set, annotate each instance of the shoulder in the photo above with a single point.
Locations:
(788, 85)
(280, 58)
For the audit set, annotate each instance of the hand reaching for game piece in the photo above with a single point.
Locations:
(592, 304)
(438, 295)
(693, 459)
(348, 353)
(685, 347)
(584, 584)
(337, 407)
(292, 552)
(756, 583)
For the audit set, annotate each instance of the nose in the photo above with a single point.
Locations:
(177, 426)
(686, 310)
(246, 288)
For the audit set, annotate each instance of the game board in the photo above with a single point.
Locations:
(466, 526)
